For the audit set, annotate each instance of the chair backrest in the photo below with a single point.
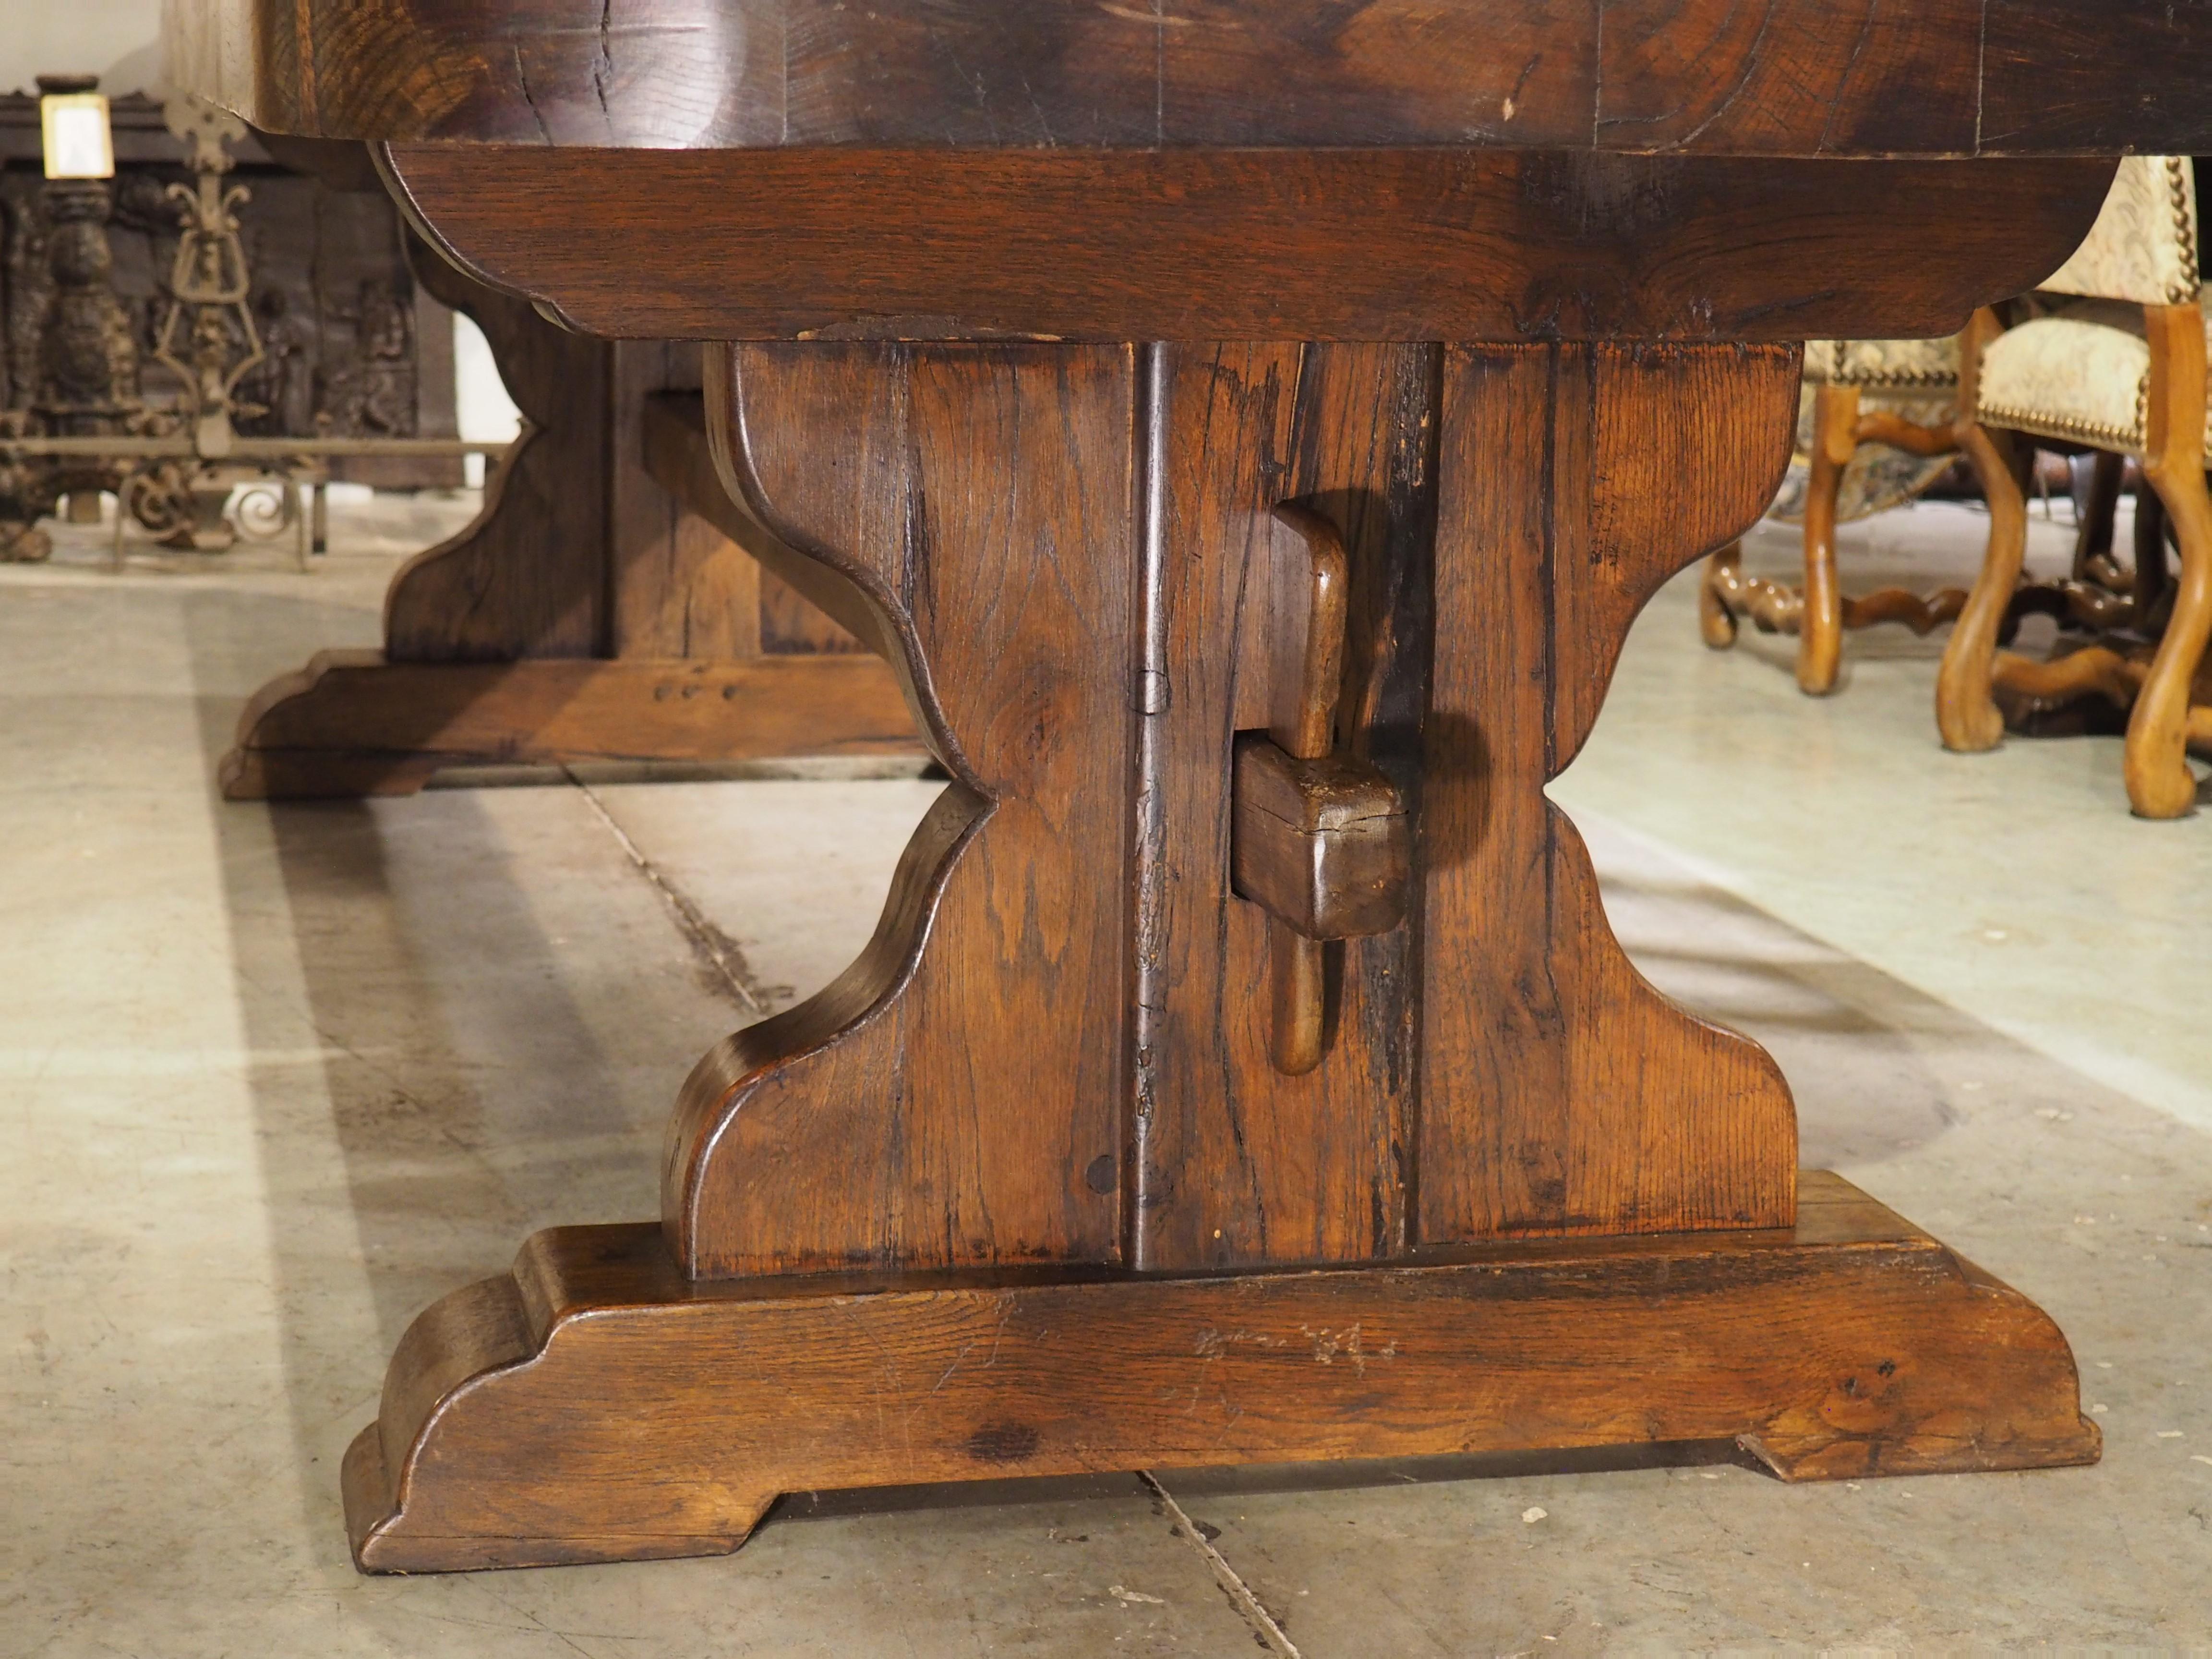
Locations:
(2144, 245)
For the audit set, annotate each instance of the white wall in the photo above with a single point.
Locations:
(118, 40)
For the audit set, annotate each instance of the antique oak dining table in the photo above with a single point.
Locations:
(1248, 429)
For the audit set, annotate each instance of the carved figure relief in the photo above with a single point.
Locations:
(86, 280)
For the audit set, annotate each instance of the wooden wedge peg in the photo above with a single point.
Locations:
(1319, 841)
(1323, 845)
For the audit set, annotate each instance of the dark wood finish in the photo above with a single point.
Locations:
(1324, 846)
(944, 1101)
(1023, 1191)
(1306, 579)
(587, 1407)
(1197, 244)
(1230, 1161)
(1786, 78)
(529, 577)
(679, 457)
(1572, 482)
(683, 585)
(590, 592)
(1553, 480)
(354, 722)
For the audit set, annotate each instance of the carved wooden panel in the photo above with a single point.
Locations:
(956, 1096)
(1561, 1092)
(355, 347)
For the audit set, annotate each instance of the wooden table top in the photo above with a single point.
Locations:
(1723, 77)
(1233, 169)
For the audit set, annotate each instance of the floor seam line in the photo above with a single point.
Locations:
(1231, 1582)
(722, 953)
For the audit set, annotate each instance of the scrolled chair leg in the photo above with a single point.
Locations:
(2160, 782)
(1966, 713)
(1820, 629)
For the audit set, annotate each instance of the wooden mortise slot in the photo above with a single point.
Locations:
(1318, 839)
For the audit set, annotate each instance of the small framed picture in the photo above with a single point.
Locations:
(77, 141)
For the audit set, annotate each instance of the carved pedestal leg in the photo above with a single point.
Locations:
(582, 616)
(1023, 1192)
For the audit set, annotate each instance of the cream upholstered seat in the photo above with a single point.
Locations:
(2062, 378)
(1874, 429)
(2119, 366)
(2085, 375)
(1914, 380)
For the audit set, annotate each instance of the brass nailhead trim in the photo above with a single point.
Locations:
(2179, 196)
(2081, 432)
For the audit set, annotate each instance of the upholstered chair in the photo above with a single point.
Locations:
(2118, 368)
(1874, 429)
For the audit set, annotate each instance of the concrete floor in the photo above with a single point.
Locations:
(277, 1078)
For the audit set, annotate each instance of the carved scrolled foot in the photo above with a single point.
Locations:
(595, 1406)
(488, 1453)
(2160, 782)
(1966, 714)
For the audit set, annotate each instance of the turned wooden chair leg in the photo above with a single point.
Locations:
(1966, 714)
(1715, 622)
(2160, 782)
(1821, 636)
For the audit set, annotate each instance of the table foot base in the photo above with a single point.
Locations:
(352, 723)
(592, 1406)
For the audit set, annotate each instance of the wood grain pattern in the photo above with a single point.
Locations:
(1563, 1094)
(1308, 594)
(954, 1097)
(580, 558)
(2087, 78)
(1231, 1161)
(683, 586)
(353, 722)
(529, 577)
(1323, 845)
(678, 586)
(1199, 245)
(995, 1157)
(679, 457)
(1781, 77)
(592, 1406)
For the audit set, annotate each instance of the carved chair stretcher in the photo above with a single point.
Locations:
(1249, 444)
(1875, 429)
